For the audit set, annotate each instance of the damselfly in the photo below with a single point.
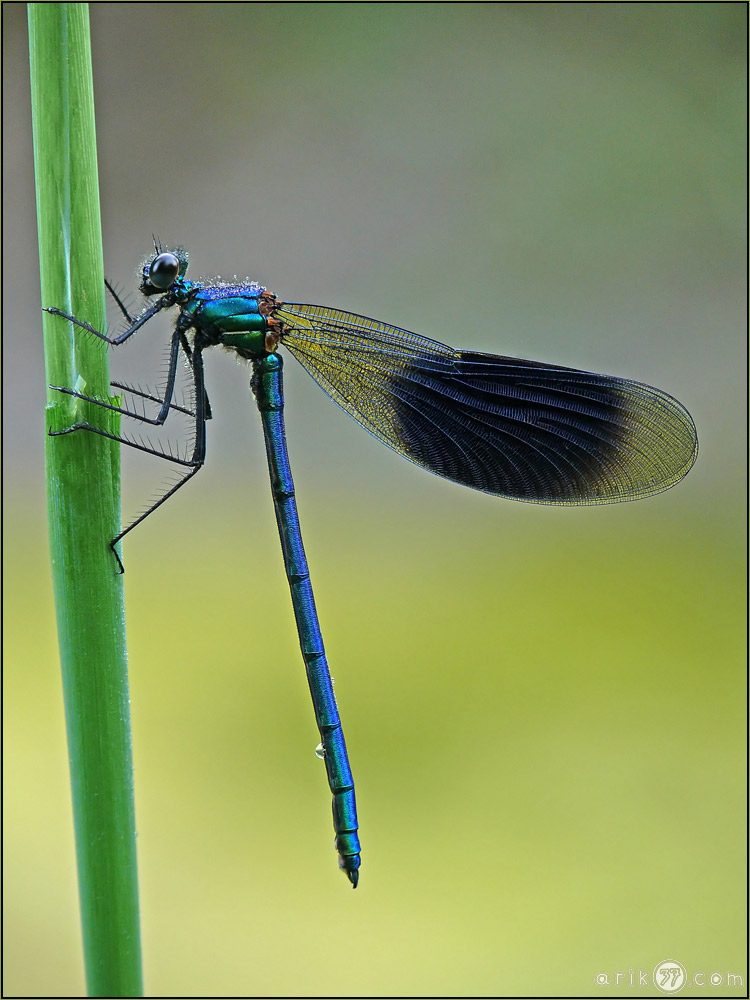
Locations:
(518, 429)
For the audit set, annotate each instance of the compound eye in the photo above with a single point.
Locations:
(163, 271)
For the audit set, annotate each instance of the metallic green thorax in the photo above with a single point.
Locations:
(232, 314)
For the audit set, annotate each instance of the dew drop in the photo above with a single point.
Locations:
(320, 751)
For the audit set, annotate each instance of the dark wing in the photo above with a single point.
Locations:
(519, 429)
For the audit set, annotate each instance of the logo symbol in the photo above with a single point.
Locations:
(670, 976)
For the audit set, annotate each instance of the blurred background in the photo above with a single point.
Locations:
(544, 707)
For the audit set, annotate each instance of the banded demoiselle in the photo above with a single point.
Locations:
(518, 429)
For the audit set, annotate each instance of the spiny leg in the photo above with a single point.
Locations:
(118, 409)
(193, 464)
(118, 302)
(147, 395)
(184, 342)
(121, 338)
(189, 355)
(166, 402)
(135, 325)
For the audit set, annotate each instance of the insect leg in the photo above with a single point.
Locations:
(189, 354)
(135, 325)
(119, 303)
(166, 402)
(192, 464)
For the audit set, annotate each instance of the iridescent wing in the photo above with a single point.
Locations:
(519, 429)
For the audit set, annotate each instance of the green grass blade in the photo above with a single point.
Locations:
(83, 481)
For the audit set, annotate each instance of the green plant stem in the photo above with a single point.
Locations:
(83, 481)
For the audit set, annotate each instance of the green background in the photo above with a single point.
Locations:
(544, 707)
